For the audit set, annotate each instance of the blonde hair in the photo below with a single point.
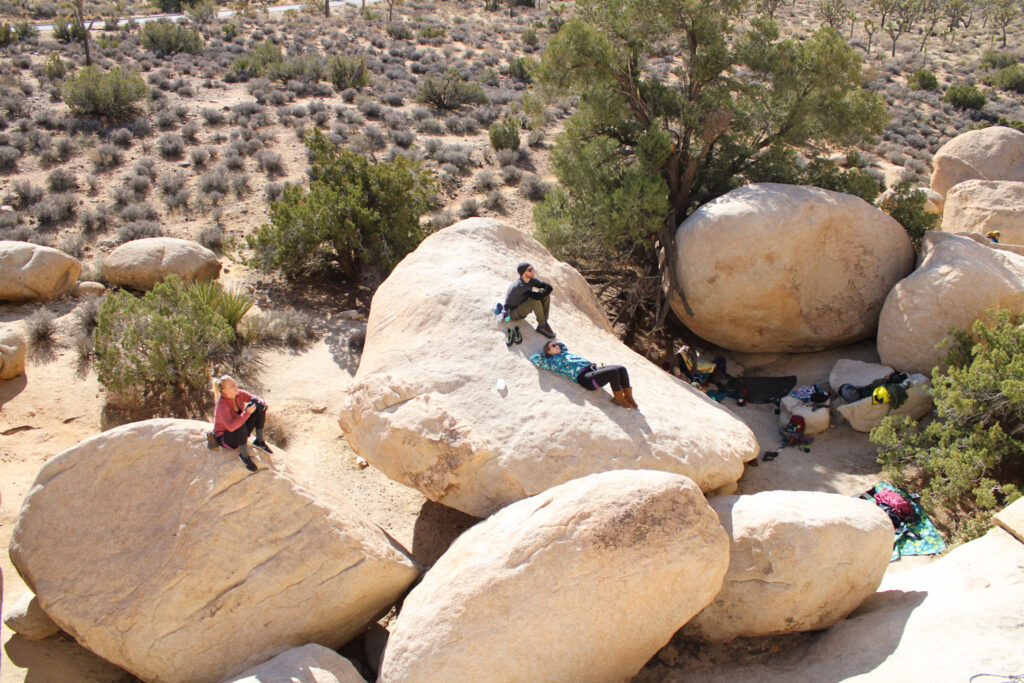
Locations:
(218, 385)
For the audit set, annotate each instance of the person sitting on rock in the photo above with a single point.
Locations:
(237, 414)
(556, 357)
(529, 295)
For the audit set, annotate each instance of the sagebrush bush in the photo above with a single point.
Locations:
(964, 97)
(168, 37)
(112, 94)
(504, 134)
(450, 92)
(347, 72)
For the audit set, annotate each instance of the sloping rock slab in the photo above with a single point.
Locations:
(30, 272)
(141, 264)
(177, 564)
(786, 268)
(983, 206)
(584, 582)
(993, 153)
(958, 279)
(799, 561)
(425, 410)
(1011, 518)
(307, 664)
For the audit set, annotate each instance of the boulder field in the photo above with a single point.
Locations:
(786, 268)
(176, 563)
(439, 403)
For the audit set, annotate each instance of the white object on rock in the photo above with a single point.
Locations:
(856, 372)
(141, 264)
(585, 581)
(426, 414)
(26, 618)
(500, 386)
(12, 352)
(864, 415)
(310, 663)
(983, 206)
(785, 268)
(799, 561)
(816, 421)
(992, 153)
(176, 563)
(957, 281)
(30, 272)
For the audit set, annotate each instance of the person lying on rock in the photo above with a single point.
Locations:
(529, 295)
(556, 357)
(237, 414)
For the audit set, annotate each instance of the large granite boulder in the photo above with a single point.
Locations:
(584, 582)
(12, 352)
(993, 153)
(799, 561)
(786, 268)
(307, 664)
(958, 279)
(864, 415)
(427, 408)
(26, 618)
(177, 564)
(141, 264)
(29, 272)
(983, 206)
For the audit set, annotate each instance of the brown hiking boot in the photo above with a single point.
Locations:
(628, 392)
(620, 399)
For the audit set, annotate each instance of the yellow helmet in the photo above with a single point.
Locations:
(880, 395)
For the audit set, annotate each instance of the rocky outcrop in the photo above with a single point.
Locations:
(29, 272)
(983, 206)
(426, 407)
(307, 664)
(799, 561)
(993, 153)
(176, 563)
(26, 618)
(785, 268)
(585, 581)
(140, 264)
(12, 352)
(958, 279)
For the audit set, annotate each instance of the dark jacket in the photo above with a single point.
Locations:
(520, 291)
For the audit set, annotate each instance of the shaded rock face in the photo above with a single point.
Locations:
(981, 206)
(141, 264)
(425, 408)
(799, 561)
(307, 664)
(993, 153)
(958, 279)
(785, 268)
(584, 582)
(176, 563)
(29, 272)
(12, 352)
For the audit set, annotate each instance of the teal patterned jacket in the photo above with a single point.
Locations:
(564, 363)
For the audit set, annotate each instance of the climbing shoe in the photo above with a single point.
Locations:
(516, 336)
(262, 445)
(249, 464)
(510, 336)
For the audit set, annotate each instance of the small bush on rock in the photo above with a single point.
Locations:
(906, 205)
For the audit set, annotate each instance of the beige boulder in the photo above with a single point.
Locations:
(785, 268)
(307, 664)
(816, 420)
(981, 206)
(26, 618)
(584, 582)
(12, 352)
(864, 415)
(29, 272)
(856, 372)
(141, 264)
(1011, 518)
(957, 280)
(177, 564)
(87, 289)
(993, 153)
(799, 561)
(427, 408)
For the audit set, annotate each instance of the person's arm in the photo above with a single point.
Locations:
(544, 288)
(227, 418)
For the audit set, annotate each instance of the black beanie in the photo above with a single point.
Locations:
(522, 268)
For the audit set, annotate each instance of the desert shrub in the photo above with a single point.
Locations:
(519, 69)
(402, 138)
(994, 59)
(112, 94)
(67, 31)
(504, 134)
(399, 31)
(212, 116)
(533, 187)
(257, 62)
(168, 38)
(964, 97)
(55, 209)
(1009, 78)
(41, 330)
(469, 207)
(157, 352)
(826, 174)
(171, 145)
(54, 67)
(530, 37)
(495, 201)
(511, 175)
(94, 220)
(347, 72)
(270, 162)
(61, 180)
(969, 456)
(26, 194)
(137, 230)
(450, 92)
(356, 214)
(212, 237)
(199, 157)
(906, 205)
(9, 158)
(923, 79)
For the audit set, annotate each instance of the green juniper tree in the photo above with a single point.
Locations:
(645, 148)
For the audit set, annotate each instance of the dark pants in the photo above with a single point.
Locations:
(615, 374)
(241, 435)
(539, 307)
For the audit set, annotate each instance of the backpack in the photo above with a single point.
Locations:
(899, 509)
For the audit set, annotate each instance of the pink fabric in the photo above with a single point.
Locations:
(228, 415)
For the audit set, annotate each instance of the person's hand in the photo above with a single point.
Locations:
(250, 409)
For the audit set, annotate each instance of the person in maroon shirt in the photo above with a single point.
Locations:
(237, 415)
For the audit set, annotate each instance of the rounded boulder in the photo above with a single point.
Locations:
(141, 264)
(12, 352)
(993, 153)
(30, 272)
(983, 206)
(786, 268)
